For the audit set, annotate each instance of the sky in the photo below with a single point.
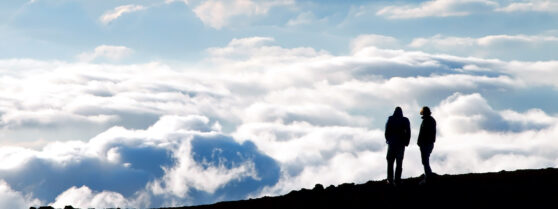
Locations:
(162, 103)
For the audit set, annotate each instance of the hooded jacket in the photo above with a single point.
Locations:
(398, 129)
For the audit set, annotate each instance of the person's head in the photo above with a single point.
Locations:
(425, 111)
(398, 112)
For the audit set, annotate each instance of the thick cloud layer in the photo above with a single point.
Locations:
(257, 119)
(178, 160)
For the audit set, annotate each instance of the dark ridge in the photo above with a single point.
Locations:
(504, 189)
(516, 189)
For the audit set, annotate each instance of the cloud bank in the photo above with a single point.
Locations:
(255, 118)
(532, 46)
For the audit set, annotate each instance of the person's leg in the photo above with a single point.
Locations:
(425, 152)
(390, 170)
(399, 162)
(390, 157)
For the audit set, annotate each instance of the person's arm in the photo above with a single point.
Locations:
(387, 132)
(407, 132)
(433, 128)
(421, 133)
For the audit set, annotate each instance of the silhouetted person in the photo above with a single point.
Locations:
(426, 139)
(398, 134)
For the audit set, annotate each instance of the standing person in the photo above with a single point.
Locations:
(426, 139)
(398, 135)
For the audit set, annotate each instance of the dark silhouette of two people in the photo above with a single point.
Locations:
(398, 136)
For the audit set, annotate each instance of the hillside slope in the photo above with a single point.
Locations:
(505, 189)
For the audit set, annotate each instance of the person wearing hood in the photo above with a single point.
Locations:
(398, 135)
(426, 139)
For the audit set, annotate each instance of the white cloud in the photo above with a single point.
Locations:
(302, 142)
(471, 139)
(172, 1)
(437, 8)
(491, 46)
(84, 197)
(218, 13)
(302, 115)
(364, 166)
(14, 199)
(374, 40)
(465, 114)
(446, 42)
(507, 39)
(254, 52)
(312, 154)
(313, 113)
(189, 174)
(109, 52)
(531, 118)
(302, 19)
(447, 8)
(115, 13)
(171, 159)
(535, 73)
(442, 42)
(531, 5)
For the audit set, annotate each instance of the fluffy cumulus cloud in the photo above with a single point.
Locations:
(492, 139)
(83, 197)
(255, 118)
(115, 13)
(219, 13)
(15, 199)
(177, 161)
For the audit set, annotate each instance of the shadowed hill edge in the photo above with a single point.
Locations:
(512, 189)
(533, 188)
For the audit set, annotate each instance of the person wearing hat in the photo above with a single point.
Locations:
(426, 139)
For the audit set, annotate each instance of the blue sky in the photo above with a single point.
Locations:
(183, 102)
(173, 31)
